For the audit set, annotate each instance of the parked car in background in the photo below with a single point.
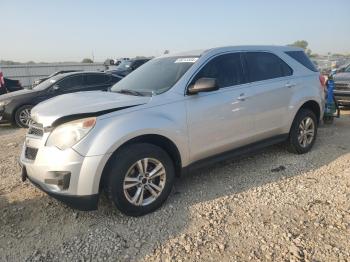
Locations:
(174, 113)
(10, 85)
(127, 66)
(342, 86)
(112, 64)
(117, 62)
(40, 80)
(15, 107)
(343, 68)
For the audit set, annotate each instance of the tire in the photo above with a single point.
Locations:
(124, 167)
(21, 115)
(293, 144)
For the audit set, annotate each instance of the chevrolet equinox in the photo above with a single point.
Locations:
(172, 114)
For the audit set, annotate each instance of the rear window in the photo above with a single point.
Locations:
(302, 58)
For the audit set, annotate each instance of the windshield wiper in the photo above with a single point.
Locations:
(130, 92)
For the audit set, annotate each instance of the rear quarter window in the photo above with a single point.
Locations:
(302, 58)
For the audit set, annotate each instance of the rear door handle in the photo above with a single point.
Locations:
(241, 97)
(290, 85)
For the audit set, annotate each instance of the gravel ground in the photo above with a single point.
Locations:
(270, 206)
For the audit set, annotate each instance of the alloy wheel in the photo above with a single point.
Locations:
(24, 117)
(306, 132)
(144, 181)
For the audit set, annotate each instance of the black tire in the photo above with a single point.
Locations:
(122, 161)
(293, 145)
(18, 120)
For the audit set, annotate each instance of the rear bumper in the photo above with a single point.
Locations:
(84, 203)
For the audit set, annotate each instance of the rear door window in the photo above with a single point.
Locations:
(226, 69)
(263, 66)
(96, 79)
(302, 58)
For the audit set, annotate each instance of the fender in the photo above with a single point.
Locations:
(112, 132)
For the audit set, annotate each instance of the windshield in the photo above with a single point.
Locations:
(156, 76)
(45, 84)
(124, 65)
(347, 69)
(53, 74)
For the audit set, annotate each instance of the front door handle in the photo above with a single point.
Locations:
(241, 97)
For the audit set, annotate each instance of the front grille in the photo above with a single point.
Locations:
(36, 130)
(342, 86)
(30, 153)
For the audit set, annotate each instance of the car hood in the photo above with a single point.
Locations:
(83, 104)
(17, 94)
(342, 77)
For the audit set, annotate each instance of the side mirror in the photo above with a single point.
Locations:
(203, 85)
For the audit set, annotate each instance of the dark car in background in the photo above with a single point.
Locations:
(10, 85)
(342, 87)
(127, 66)
(15, 107)
(40, 80)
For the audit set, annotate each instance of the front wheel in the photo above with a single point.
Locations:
(303, 132)
(22, 116)
(140, 179)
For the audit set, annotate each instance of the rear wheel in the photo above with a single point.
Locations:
(22, 116)
(140, 179)
(303, 132)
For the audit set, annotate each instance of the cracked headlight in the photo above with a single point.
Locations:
(70, 133)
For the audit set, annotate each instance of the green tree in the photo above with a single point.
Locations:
(302, 44)
(87, 60)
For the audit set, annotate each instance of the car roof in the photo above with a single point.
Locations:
(81, 72)
(236, 48)
(63, 75)
(137, 59)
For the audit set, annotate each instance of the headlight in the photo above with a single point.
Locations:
(68, 134)
(4, 103)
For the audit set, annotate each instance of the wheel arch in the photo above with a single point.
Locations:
(314, 107)
(159, 140)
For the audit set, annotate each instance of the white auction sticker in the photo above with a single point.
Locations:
(186, 60)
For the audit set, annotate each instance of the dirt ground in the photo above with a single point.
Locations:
(270, 206)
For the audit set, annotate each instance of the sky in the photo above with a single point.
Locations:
(67, 30)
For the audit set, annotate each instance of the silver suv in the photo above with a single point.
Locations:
(173, 114)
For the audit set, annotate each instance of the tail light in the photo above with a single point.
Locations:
(323, 80)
